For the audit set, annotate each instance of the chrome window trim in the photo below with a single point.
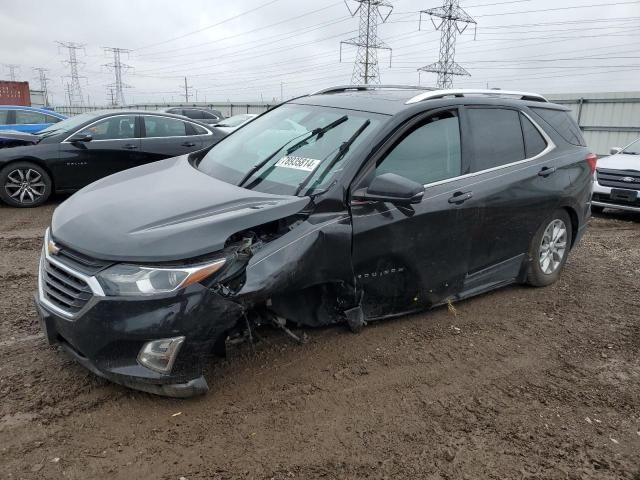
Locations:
(187, 120)
(93, 283)
(549, 148)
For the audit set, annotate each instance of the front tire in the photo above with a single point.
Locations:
(24, 184)
(549, 249)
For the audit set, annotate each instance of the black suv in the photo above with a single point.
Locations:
(349, 205)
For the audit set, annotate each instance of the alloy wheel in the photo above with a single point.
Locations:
(25, 185)
(553, 246)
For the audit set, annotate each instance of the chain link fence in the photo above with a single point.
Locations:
(228, 109)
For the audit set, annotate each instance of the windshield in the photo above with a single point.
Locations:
(235, 120)
(69, 124)
(633, 149)
(290, 150)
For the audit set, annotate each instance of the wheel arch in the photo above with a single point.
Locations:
(575, 223)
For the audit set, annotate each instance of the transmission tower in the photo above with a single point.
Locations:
(44, 84)
(117, 67)
(365, 68)
(453, 21)
(111, 96)
(187, 90)
(75, 90)
(13, 68)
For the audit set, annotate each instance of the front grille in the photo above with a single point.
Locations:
(614, 178)
(63, 289)
(80, 262)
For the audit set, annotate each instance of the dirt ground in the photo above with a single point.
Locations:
(520, 383)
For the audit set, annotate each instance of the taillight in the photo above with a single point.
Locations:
(592, 160)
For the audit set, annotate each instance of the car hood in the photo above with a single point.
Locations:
(621, 161)
(17, 139)
(163, 211)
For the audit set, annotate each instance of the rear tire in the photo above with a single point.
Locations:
(24, 184)
(549, 249)
(597, 209)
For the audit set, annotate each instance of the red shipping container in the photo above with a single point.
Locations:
(14, 93)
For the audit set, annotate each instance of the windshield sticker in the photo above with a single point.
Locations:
(299, 163)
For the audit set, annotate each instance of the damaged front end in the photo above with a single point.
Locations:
(10, 138)
(293, 271)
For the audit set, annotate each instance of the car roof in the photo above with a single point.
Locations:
(32, 109)
(107, 112)
(390, 100)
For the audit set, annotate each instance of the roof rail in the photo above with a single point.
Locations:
(462, 92)
(344, 88)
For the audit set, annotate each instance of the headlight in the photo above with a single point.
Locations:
(135, 280)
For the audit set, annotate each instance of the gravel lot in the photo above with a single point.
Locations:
(520, 383)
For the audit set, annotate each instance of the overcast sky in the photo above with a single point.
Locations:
(247, 50)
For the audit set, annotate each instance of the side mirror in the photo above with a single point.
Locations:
(81, 138)
(615, 150)
(392, 188)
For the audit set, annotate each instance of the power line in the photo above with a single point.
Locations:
(117, 67)
(365, 67)
(209, 26)
(546, 10)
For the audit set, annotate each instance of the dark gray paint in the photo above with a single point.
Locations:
(163, 211)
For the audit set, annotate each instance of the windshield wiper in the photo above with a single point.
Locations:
(342, 151)
(317, 132)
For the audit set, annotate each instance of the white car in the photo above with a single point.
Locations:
(616, 183)
(230, 124)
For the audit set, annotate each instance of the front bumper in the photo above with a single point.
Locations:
(601, 197)
(108, 336)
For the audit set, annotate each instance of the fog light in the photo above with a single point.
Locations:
(159, 355)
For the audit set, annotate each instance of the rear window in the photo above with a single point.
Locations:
(563, 123)
(534, 142)
(496, 137)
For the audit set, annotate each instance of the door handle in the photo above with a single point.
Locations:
(130, 146)
(188, 144)
(460, 197)
(546, 171)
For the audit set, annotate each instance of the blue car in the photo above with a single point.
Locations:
(27, 119)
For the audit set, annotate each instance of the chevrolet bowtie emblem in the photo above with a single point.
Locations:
(52, 248)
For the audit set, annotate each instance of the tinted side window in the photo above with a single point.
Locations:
(23, 117)
(4, 117)
(196, 130)
(164, 127)
(51, 119)
(195, 114)
(563, 123)
(496, 137)
(113, 128)
(429, 153)
(534, 142)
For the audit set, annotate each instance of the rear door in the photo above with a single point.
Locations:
(165, 137)
(407, 258)
(516, 184)
(115, 146)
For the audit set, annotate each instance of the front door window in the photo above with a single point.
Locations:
(429, 153)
